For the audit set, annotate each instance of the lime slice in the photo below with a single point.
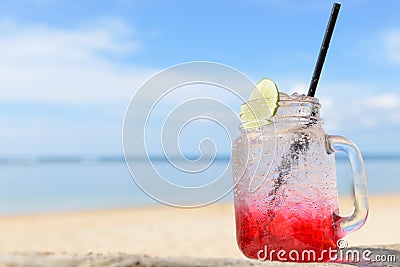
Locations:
(261, 106)
(265, 89)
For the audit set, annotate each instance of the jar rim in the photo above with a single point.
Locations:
(293, 109)
(285, 99)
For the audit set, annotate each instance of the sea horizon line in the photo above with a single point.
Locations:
(72, 159)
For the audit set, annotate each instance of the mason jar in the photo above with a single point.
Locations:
(285, 193)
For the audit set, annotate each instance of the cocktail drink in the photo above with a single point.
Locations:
(285, 194)
(286, 199)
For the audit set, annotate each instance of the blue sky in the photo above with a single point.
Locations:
(68, 69)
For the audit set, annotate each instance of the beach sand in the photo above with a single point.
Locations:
(166, 232)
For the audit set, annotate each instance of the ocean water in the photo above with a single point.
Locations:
(76, 185)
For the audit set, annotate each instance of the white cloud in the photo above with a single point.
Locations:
(345, 109)
(79, 66)
(391, 41)
(64, 76)
(42, 64)
(396, 117)
(390, 101)
(380, 110)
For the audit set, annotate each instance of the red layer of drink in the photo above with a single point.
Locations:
(300, 235)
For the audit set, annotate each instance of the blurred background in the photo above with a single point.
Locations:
(68, 71)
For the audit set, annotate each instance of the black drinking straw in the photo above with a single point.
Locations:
(324, 49)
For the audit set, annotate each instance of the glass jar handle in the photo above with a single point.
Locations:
(356, 220)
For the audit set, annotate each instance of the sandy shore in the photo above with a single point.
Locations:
(165, 231)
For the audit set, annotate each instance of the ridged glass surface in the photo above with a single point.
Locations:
(285, 193)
